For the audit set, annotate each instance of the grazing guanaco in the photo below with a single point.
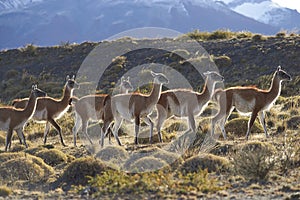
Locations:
(136, 106)
(91, 107)
(185, 103)
(50, 109)
(15, 118)
(248, 100)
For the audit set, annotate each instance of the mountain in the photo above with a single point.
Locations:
(52, 22)
(267, 12)
(6, 5)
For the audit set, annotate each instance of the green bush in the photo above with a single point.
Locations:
(119, 184)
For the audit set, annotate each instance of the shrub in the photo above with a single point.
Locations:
(176, 126)
(5, 191)
(258, 37)
(119, 184)
(244, 34)
(254, 160)
(113, 154)
(139, 154)
(239, 127)
(288, 153)
(8, 155)
(181, 52)
(52, 157)
(209, 111)
(11, 74)
(293, 123)
(222, 61)
(148, 164)
(19, 166)
(220, 34)
(2, 140)
(197, 35)
(281, 34)
(30, 49)
(174, 160)
(203, 161)
(79, 170)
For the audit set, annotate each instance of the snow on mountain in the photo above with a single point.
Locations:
(7, 5)
(266, 11)
(50, 22)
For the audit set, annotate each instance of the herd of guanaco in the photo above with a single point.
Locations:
(134, 107)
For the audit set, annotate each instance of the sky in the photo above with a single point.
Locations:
(293, 4)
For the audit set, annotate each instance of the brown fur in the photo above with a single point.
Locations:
(248, 100)
(15, 119)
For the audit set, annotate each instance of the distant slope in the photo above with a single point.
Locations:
(252, 61)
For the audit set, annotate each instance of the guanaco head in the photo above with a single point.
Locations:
(214, 76)
(159, 78)
(71, 83)
(37, 92)
(282, 75)
(126, 84)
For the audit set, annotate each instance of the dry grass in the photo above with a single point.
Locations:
(254, 160)
(79, 170)
(5, 191)
(203, 161)
(21, 166)
(52, 157)
(238, 127)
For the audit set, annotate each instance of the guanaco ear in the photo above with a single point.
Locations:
(128, 78)
(206, 73)
(122, 78)
(68, 77)
(153, 73)
(73, 77)
(278, 68)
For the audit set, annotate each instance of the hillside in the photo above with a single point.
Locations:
(185, 165)
(242, 61)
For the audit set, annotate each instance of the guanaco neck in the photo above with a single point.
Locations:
(29, 110)
(207, 91)
(123, 90)
(274, 90)
(155, 94)
(67, 94)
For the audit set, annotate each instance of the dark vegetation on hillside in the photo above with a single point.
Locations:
(242, 58)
